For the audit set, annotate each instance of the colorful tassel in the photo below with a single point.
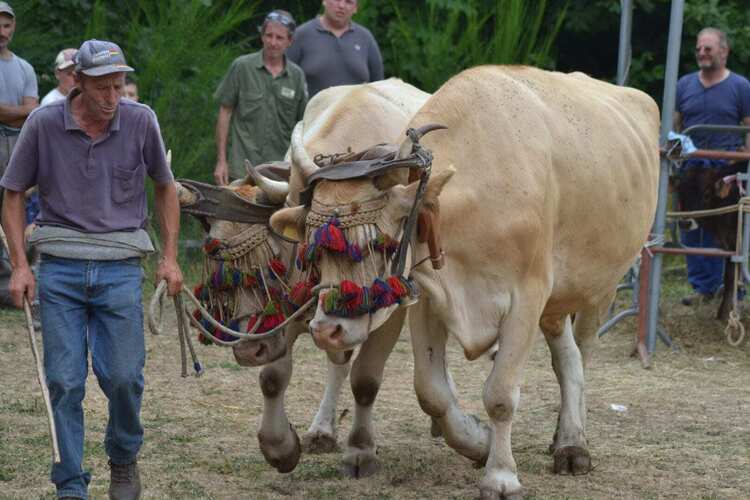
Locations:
(330, 236)
(211, 246)
(277, 267)
(300, 294)
(355, 253)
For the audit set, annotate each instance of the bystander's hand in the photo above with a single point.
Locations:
(22, 284)
(170, 271)
(221, 173)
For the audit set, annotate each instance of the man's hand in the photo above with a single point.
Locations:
(221, 173)
(22, 284)
(169, 270)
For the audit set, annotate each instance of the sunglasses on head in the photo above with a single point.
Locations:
(282, 19)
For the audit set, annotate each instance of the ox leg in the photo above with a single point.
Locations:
(434, 386)
(277, 438)
(501, 395)
(321, 436)
(585, 326)
(367, 374)
(568, 447)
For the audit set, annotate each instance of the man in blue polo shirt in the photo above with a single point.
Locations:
(90, 154)
(712, 95)
(333, 50)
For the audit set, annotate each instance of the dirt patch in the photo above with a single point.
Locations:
(684, 432)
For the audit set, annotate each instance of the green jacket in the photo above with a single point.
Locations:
(265, 110)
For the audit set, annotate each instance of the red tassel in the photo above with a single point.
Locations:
(301, 293)
(332, 237)
(398, 288)
(278, 267)
(211, 246)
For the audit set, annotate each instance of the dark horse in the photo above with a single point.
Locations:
(702, 188)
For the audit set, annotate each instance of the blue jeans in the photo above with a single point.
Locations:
(705, 274)
(92, 305)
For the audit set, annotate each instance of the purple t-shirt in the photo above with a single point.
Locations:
(89, 186)
(726, 103)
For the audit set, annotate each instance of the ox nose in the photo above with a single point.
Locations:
(327, 335)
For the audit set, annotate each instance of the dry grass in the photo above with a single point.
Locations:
(685, 433)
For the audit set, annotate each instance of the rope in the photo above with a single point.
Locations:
(743, 205)
(161, 289)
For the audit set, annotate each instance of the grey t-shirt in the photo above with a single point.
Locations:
(17, 80)
(328, 60)
(89, 186)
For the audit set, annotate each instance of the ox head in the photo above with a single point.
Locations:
(349, 233)
(249, 299)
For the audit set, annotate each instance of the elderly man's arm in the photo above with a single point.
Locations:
(22, 283)
(14, 116)
(168, 208)
(221, 171)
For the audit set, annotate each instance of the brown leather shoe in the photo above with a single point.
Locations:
(124, 481)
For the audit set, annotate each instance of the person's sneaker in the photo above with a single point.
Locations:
(696, 298)
(124, 481)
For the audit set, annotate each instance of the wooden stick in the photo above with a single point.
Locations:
(42, 381)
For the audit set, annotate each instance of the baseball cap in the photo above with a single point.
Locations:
(6, 9)
(99, 57)
(64, 59)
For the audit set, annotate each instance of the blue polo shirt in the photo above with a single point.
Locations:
(89, 186)
(726, 103)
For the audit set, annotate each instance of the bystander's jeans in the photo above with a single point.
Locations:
(96, 305)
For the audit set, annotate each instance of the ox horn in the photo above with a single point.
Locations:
(408, 144)
(169, 158)
(300, 158)
(276, 191)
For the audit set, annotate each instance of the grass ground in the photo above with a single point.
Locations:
(685, 432)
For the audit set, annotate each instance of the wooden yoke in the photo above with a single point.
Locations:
(428, 228)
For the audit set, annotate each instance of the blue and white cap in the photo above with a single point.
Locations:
(99, 57)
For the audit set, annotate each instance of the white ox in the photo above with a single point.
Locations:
(553, 186)
(337, 119)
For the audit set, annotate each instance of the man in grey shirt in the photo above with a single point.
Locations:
(333, 50)
(90, 154)
(18, 88)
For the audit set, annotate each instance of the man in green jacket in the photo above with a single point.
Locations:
(262, 97)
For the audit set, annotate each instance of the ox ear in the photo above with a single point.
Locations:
(404, 195)
(289, 223)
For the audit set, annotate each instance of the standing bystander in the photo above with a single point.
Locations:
(64, 74)
(130, 91)
(90, 154)
(18, 92)
(712, 95)
(334, 50)
(261, 98)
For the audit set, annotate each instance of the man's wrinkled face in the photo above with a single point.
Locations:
(276, 39)
(65, 79)
(101, 94)
(131, 92)
(339, 11)
(709, 54)
(7, 28)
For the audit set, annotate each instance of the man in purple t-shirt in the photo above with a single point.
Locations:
(712, 95)
(90, 154)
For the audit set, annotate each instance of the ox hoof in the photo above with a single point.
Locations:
(360, 466)
(317, 443)
(286, 462)
(571, 460)
(435, 430)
